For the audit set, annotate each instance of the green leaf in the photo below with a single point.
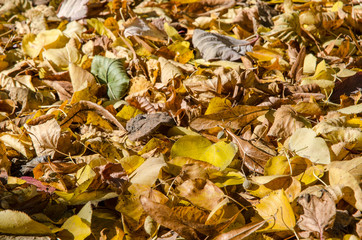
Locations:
(111, 72)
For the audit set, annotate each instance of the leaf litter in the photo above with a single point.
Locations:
(181, 119)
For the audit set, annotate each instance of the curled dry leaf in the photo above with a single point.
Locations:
(319, 213)
(90, 106)
(286, 121)
(254, 158)
(234, 118)
(240, 233)
(214, 46)
(163, 215)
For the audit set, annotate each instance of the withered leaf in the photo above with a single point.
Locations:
(319, 213)
(240, 233)
(145, 124)
(254, 158)
(164, 216)
(285, 123)
(79, 9)
(90, 106)
(234, 118)
(214, 46)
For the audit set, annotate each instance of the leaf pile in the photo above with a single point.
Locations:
(181, 119)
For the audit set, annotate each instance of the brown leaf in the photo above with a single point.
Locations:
(145, 124)
(241, 233)
(112, 174)
(254, 158)
(201, 192)
(346, 87)
(285, 123)
(164, 216)
(319, 213)
(90, 106)
(49, 139)
(235, 118)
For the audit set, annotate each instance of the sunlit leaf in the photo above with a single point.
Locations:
(111, 72)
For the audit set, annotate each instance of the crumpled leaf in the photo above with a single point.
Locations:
(202, 193)
(145, 124)
(214, 46)
(286, 122)
(19, 223)
(306, 144)
(319, 213)
(234, 118)
(140, 27)
(163, 215)
(48, 139)
(219, 154)
(111, 72)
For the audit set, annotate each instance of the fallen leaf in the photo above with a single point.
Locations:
(202, 193)
(306, 144)
(234, 118)
(214, 46)
(286, 122)
(276, 210)
(161, 214)
(19, 223)
(219, 154)
(240, 233)
(319, 213)
(143, 125)
(111, 72)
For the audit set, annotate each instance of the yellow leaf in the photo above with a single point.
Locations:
(310, 62)
(311, 175)
(219, 154)
(218, 104)
(33, 45)
(131, 163)
(336, 6)
(264, 54)
(276, 166)
(96, 120)
(128, 112)
(347, 175)
(183, 51)
(84, 174)
(19, 223)
(76, 226)
(148, 172)
(60, 58)
(306, 144)
(276, 210)
(172, 32)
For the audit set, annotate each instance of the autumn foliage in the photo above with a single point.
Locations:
(180, 119)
